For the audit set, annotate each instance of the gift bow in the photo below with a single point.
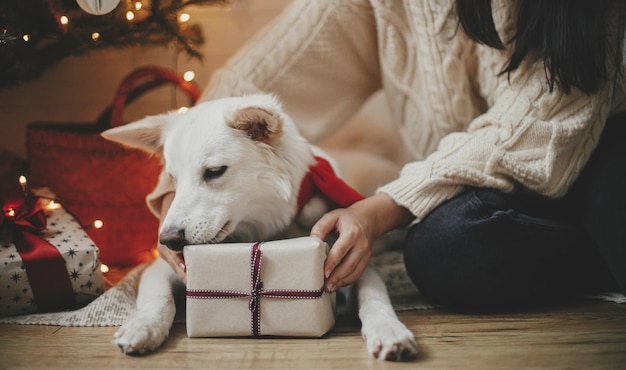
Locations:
(25, 213)
(43, 263)
(256, 291)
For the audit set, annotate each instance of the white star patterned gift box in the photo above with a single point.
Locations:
(29, 287)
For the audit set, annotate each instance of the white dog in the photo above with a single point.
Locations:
(238, 164)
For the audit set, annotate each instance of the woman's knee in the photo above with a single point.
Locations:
(450, 254)
(477, 251)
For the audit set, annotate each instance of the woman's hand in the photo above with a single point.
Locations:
(351, 252)
(174, 259)
(357, 226)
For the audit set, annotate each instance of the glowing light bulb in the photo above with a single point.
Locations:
(11, 212)
(23, 182)
(138, 5)
(184, 17)
(26, 38)
(130, 15)
(189, 75)
(104, 268)
(53, 205)
(64, 20)
(98, 224)
(95, 36)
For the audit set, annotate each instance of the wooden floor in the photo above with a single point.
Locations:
(581, 335)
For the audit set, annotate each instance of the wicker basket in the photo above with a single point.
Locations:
(98, 179)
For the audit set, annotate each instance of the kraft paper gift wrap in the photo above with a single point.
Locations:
(287, 298)
(50, 265)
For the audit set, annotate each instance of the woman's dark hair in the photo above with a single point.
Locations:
(570, 36)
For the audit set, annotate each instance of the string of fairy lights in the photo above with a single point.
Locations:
(94, 6)
(135, 11)
(36, 34)
(50, 204)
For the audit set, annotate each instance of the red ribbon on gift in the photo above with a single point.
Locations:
(256, 291)
(45, 267)
(322, 177)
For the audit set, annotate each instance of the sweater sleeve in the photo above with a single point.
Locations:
(531, 136)
(319, 57)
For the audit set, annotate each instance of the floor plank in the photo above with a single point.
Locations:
(579, 335)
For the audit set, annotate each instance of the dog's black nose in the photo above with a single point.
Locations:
(174, 239)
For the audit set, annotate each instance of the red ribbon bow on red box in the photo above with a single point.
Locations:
(256, 291)
(24, 215)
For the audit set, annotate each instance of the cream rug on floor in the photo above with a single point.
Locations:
(117, 304)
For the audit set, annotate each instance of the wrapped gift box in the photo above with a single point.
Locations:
(272, 288)
(56, 267)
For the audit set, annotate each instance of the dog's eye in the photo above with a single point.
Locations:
(213, 172)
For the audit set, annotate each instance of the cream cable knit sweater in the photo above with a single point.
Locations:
(463, 124)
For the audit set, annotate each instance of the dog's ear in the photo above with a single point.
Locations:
(259, 116)
(144, 134)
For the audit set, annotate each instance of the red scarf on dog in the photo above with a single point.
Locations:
(323, 179)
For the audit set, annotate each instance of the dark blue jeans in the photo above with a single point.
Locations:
(485, 249)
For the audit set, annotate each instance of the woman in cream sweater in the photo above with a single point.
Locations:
(501, 105)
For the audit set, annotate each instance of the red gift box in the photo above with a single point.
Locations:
(47, 261)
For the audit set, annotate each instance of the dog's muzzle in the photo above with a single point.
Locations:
(174, 239)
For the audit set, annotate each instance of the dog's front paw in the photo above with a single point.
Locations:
(388, 339)
(140, 335)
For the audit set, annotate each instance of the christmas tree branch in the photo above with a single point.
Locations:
(32, 37)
